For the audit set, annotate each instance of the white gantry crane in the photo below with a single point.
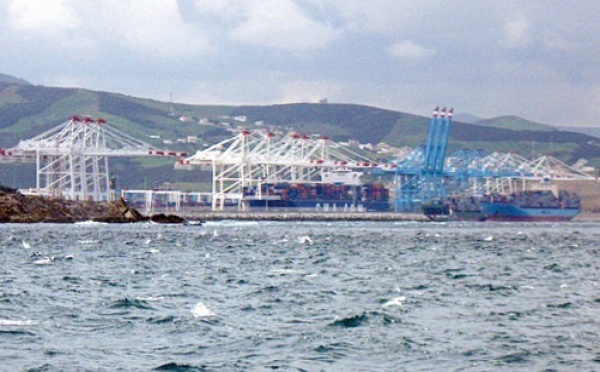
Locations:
(253, 158)
(72, 158)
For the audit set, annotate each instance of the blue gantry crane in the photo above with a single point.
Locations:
(422, 182)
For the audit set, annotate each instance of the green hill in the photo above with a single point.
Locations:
(514, 123)
(27, 110)
(12, 80)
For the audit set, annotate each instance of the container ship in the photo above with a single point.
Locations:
(532, 206)
(520, 206)
(325, 196)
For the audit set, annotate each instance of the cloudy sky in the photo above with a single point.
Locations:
(538, 59)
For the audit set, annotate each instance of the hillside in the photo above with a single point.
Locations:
(594, 132)
(27, 110)
(12, 80)
(514, 123)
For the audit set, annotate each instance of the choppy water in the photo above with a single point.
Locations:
(300, 296)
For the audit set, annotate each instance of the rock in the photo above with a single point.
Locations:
(163, 218)
(18, 208)
(120, 212)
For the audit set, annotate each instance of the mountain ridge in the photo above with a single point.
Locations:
(27, 110)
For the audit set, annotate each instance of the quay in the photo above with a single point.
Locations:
(300, 216)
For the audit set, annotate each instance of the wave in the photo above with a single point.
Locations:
(172, 366)
(202, 311)
(126, 303)
(17, 323)
(90, 223)
(161, 320)
(351, 321)
(397, 301)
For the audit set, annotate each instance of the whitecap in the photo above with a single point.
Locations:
(87, 242)
(16, 323)
(90, 222)
(305, 239)
(231, 223)
(44, 261)
(397, 301)
(285, 271)
(488, 238)
(150, 299)
(26, 245)
(201, 311)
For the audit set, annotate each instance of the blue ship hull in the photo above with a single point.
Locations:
(340, 205)
(509, 212)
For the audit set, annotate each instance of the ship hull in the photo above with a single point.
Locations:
(510, 213)
(319, 196)
(339, 205)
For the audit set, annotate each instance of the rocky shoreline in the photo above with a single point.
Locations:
(18, 208)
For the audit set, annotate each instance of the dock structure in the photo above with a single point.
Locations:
(303, 216)
(72, 158)
(260, 168)
(252, 160)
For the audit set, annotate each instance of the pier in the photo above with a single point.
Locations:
(301, 216)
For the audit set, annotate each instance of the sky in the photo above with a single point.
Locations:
(537, 59)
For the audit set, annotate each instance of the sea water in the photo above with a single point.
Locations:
(333, 296)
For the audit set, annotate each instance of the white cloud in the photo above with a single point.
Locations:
(517, 33)
(282, 25)
(149, 26)
(41, 16)
(408, 50)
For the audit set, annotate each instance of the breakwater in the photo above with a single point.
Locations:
(302, 216)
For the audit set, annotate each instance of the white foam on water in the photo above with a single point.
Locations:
(397, 301)
(26, 245)
(285, 271)
(16, 323)
(85, 242)
(44, 261)
(89, 223)
(151, 299)
(230, 223)
(305, 239)
(201, 311)
(489, 238)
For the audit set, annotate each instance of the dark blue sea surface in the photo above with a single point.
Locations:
(360, 296)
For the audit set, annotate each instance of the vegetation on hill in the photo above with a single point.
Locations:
(4, 78)
(514, 123)
(27, 110)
